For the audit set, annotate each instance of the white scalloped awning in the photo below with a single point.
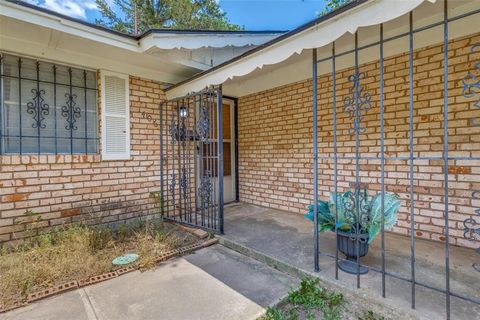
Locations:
(370, 13)
(195, 40)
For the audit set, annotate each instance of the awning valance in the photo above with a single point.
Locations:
(325, 32)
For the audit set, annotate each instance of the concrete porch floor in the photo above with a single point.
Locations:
(288, 237)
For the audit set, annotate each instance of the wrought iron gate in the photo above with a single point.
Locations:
(356, 102)
(191, 151)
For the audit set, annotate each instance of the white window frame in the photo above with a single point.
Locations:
(127, 154)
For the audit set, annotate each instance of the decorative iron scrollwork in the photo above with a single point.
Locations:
(471, 228)
(172, 186)
(470, 88)
(203, 124)
(471, 82)
(178, 130)
(38, 108)
(173, 128)
(71, 112)
(358, 102)
(354, 214)
(205, 190)
(183, 182)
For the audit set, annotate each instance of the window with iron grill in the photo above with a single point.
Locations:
(47, 108)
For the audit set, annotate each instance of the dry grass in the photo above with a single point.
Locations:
(78, 252)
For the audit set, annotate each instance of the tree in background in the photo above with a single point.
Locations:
(138, 16)
(333, 4)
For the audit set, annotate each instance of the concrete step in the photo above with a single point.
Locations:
(384, 307)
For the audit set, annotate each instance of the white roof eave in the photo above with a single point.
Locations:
(46, 20)
(370, 13)
(164, 40)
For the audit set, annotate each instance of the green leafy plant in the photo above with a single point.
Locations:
(369, 315)
(308, 302)
(158, 197)
(138, 16)
(340, 212)
(32, 222)
(277, 314)
(331, 5)
(311, 295)
(33, 218)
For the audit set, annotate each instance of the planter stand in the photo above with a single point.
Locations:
(347, 244)
(350, 266)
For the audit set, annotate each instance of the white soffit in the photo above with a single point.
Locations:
(368, 14)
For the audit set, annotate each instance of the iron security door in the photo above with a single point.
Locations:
(192, 159)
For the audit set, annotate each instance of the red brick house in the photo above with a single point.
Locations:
(102, 127)
(275, 113)
(67, 165)
(85, 146)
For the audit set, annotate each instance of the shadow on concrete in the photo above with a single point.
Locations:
(252, 279)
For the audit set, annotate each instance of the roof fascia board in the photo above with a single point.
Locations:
(36, 10)
(214, 32)
(56, 22)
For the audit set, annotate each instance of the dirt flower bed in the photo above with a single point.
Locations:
(311, 302)
(78, 252)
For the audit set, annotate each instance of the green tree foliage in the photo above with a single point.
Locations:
(160, 14)
(334, 4)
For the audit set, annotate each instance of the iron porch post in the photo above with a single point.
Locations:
(411, 158)
(445, 156)
(315, 160)
(162, 191)
(220, 157)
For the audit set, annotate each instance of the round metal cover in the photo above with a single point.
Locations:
(125, 259)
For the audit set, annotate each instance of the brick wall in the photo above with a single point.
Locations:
(275, 140)
(65, 188)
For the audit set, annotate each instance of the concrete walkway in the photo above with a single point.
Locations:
(288, 237)
(213, 283)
